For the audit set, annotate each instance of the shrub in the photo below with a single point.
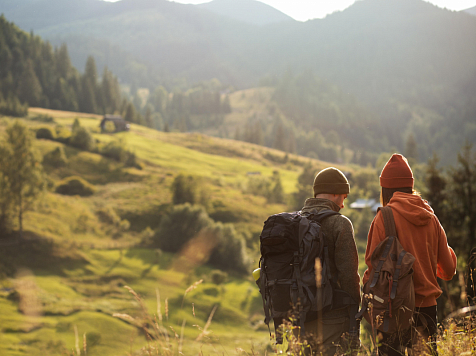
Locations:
(230, 252)
(132, 161)
(81, 138)
(108, 215)
(43, 118)
(188, 189)
(45, 133)
(117, 151)
(114, 150)
(218, 277)
(125, 225)
(181, 225)
(13, 107)
(55, 158)
(75, 186)
(93, 338)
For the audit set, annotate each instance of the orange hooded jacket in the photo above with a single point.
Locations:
(421, 234)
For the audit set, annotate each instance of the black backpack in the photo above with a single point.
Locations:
(290, 244)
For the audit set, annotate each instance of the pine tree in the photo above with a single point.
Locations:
(462, 192)
(411, 149)
(63, 62)
(88, 96)
(29, 87)
(435, 187)
(89, 92)
(148, 116)
(130, 114)
(280, 138)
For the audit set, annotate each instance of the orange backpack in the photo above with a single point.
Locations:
(388, 298)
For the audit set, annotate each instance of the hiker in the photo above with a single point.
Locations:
(421, 234)
(330, 190)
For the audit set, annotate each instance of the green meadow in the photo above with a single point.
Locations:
(64, 280)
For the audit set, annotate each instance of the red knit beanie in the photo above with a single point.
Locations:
(396, 173)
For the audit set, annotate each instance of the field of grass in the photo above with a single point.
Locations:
(68, 273)
(64, 282)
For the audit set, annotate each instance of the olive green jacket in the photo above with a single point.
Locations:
(339, 238)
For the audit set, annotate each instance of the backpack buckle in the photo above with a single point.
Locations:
(296, 258)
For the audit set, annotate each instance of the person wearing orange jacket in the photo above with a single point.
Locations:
(421, 234)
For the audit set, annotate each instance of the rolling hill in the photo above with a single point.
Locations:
(250, 11)
(74, 260)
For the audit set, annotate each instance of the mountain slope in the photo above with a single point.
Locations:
(405, 59)
(250, 11)
(471, 10)
(372, 48)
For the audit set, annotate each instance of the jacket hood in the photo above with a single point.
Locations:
(319, 204)
(412, 208)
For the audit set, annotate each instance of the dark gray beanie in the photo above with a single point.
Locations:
(331, 181)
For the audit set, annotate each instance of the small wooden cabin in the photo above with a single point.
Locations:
(119, 123)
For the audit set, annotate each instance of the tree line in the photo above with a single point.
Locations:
(193, 107)
(33, 73)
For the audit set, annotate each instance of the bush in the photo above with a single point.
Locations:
(82, 139)
(270, 188)
(109, 216)
(55, 158)
(43, 118)
(93, 338)
(117, 151)
(13, 107)
(132, 161)
(75, 186)
(230, 252)
(181, 225)
(218, 277)
(45, 133)
(114, 150)
(188, 189)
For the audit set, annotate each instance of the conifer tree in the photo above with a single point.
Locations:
(463, 190)
(89, 87)
(63, 62)
(29, 87)
(148, 116)
(280, 138)
(88, 96)
(411, 148)
(130, 113)
(435, 187)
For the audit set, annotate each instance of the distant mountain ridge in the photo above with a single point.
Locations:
(407, 60)
(250, 11)
(471, 10)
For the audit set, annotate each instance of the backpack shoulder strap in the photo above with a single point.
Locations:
(388, 221)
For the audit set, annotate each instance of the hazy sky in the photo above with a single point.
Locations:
(303, 10)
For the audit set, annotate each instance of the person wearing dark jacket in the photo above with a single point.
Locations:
(420, 233)
(330, 190)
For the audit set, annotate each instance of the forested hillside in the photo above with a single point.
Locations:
(408, 66)
(33, 73)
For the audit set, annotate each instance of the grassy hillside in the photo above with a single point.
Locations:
(67, 274)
